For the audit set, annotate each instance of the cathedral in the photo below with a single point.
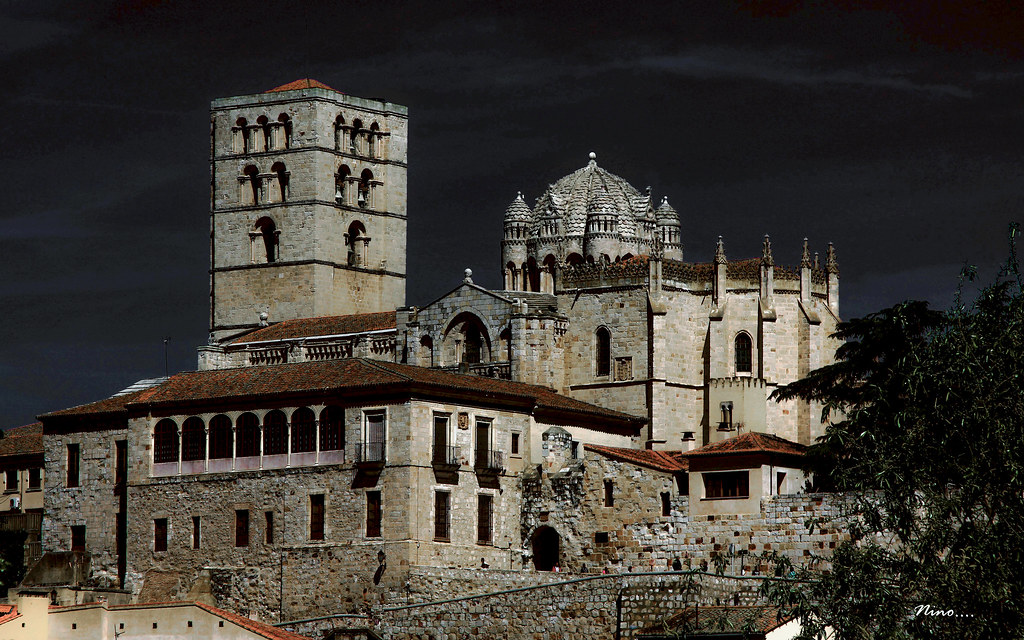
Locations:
(336, 442)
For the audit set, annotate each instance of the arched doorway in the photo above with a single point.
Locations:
(545, 549)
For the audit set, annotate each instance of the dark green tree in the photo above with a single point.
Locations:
(926, 435)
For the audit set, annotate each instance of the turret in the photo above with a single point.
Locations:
(513, 245)
(805, 275)
(669, 231)
(767, 274)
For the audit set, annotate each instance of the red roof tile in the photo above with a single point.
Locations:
(8, 612)
(259, 628)
(22, 440)
(322, 326)
(303, 83)
(751, 442)
(667, 461)
(107, 406)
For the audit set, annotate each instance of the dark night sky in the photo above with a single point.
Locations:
(894, 132)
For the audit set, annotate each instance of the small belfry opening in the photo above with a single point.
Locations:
(356, 242)
(546, 542)
(281, 193)
(341, 180)
(365, 198)
(264, 240)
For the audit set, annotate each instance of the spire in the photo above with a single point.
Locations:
(817, 265)
(720, 252)
(831, 265)
(766, 252)
(805, 259)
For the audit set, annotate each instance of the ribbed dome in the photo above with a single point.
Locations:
(518, 211)
(665, 213)
(592, 189)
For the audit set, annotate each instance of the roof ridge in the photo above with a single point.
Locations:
(375, 365)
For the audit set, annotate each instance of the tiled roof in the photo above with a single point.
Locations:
(8, 612)
(107, 406)
(303, 83)
(321, 326)
(359, 374)
(22, 440)
(667, 461)
(259, 628)
(717, 619)
(751, 442)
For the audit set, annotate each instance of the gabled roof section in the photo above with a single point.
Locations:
(8, 612)
(667, 461)
(751, 442)
(302, 83)
(26, 440)
(321, 326)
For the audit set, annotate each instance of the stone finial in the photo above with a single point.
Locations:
(831, 264)
(264, 319)
(817, 265)
(720, 251)
(766, 252)
(805, 259)
(519, 195)
(469, 276)
(593, 157)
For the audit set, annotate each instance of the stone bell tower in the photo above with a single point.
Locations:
(307, 206)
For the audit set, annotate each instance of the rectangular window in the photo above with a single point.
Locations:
(373, 514)
(196, 532)
(120, 463)
(483, 444)
(484, 515)
(442, 515)
(666, 504)
(515, 444)
(78, 537)
(160, 534)
(269, 527)
(375, 434)
(241, 527)
(780, 482)
(609, 493)
(35, 478)
(732, 484)
(316, 517)
(683, 483)
(440, 454)
(73, 461)
(574, 449)
(11, 480)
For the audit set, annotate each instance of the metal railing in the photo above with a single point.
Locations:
(489, 460)
(370, 452)
(445, 456)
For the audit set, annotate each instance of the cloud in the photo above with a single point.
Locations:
(784, 67)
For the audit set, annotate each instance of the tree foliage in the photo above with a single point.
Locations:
(927, 435)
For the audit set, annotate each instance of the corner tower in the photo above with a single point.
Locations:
(307, 206)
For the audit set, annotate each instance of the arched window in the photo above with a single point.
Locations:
(332, 429)
(239, 136)
(193, 439)
(263, 135)
(282, 181)
(248, 443)
(505, 345)
(603, 351)
(426, 351)
(365, 189)
(548, 274)
(744, 360)
(532, 275)
(339, 133)
(372, 139)
(471, 348)
(285, 129)
(574, 259)
(465, 341)
(356, 240)
(221, 440)
(268, 234)
(511, 277)
(275, 433)
(341, 184)
(303, 430)
(165, 441)
(252, 192)
(353, 140)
